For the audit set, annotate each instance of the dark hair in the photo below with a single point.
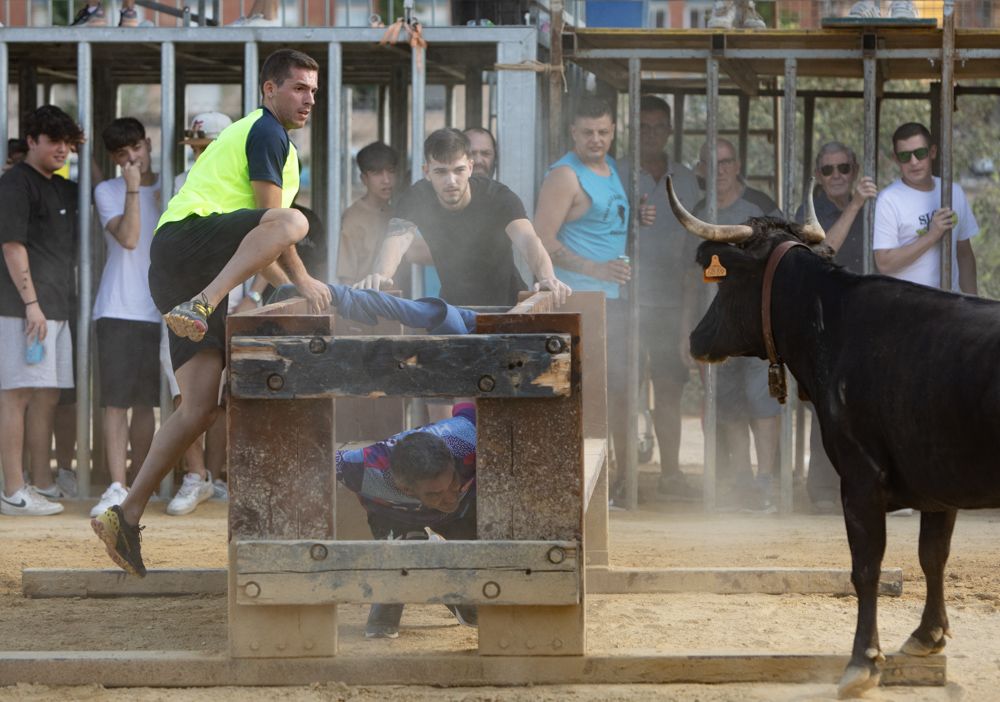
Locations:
(53, 123)
(592, 107)
(16, 146)
(124, 131)
(419, 456)
(651, 103)
(480, 130)
(911, 129)
(278, 66)
(376, 157)
(443, 145)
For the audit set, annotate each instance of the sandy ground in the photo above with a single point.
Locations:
(660, 534)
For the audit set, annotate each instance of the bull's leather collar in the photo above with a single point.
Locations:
(776, 371)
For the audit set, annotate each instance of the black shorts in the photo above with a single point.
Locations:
(128, 356)
(184, 258)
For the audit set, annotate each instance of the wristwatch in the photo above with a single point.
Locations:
(255, 296)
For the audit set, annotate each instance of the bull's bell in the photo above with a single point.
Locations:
(776, 385)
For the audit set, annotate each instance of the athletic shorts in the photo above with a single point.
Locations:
(67, 396)
(742, 390)
(56, 367)
(184, 258)
(128, 356)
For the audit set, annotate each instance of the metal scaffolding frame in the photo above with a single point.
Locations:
(664, 61)
(351, 56)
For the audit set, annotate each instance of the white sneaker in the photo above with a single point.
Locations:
(114, 495)
(751, 18)
(193, 492)
(903, 9)
(905, 512)
(255, 20)
(723, 14)
(220, 490)
(28, 503)
(66, 480)
(865, 9)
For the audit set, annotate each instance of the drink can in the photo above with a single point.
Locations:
(625, 259)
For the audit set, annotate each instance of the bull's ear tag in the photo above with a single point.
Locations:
(715, 271)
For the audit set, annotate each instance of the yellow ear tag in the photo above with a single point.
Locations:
(715, 271)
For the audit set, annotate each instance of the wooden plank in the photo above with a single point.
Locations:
(735, 581)
(281, 486)
(203, 669)
(362, 418)
(416, 572)
(533, 303)
(499, 365)
(593, 353)
(595, 526)
(113, 582)
(530, 487)
(595, 456)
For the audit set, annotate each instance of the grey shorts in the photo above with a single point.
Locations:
(743, 392)
(56, 367)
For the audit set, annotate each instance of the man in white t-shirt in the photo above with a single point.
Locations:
(910, 222)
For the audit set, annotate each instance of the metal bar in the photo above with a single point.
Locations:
(168, 139)
(711, 197)
(808, 130)
(870, 157)
(744, 128)
(555, 83)
(275, 35)
(418, 100)
(4, 88)
(944, 138)
(334, 144)
(251, 78)
(631, 448)
(85, 115)
(679, 127)
(786, 445)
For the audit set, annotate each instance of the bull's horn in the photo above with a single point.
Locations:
(812, 230)
(727, 233)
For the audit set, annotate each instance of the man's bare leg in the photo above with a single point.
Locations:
(765, 437)
(13, 404)
(38, 434)
(199, 384)
(278, 229)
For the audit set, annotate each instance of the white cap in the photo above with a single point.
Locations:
(205, 128)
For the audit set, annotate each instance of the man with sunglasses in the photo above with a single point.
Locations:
(839, 197)
(910, 222)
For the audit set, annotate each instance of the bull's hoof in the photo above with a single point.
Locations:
(857, 680)
(916, 647)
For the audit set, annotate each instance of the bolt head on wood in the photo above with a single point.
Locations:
(491, 590)
(554, 345)
(318, 552)
(251, 589)
(556, 555)
(317, 345)
(275, 382)
(486, 383)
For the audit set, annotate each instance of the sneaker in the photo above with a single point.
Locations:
(751, 19)
(723, 15)
(905, 512)
(66, 480)
(903, 9)
(28, 503)
(193, 492)
(189, 320)
(865, 9)
(129, 17)
(255, 20)
(383, 621)
(90, 16)
(122, 540)
(220, 490)
(467, 615)
(114, 495)
(677, 487)
(52, 492)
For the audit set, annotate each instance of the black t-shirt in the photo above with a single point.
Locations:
(471, 250)
(852, 252)
(40, 213)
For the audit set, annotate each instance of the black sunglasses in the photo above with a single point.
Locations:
(921, 154)
(843, 168)
(194, 133)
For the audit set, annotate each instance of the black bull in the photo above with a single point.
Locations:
(906, 385)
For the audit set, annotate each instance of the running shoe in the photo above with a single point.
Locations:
(27, 503)
(383, 621)
(723, 15)
(467, 615)
(189, 320)
(121, 539)
(52, 492)
(90, 16)
(751, 18)
(66, 480)
(129, 17)
(903, 9)
(865, 9)
(114, 495)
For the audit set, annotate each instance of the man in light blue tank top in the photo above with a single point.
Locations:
(582, 219)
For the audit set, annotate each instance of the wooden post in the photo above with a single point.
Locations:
(281, 482)
(530, 486)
